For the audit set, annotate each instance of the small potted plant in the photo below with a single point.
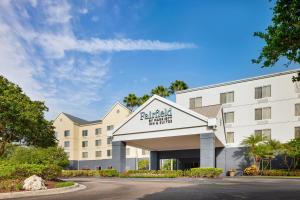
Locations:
(231, 172)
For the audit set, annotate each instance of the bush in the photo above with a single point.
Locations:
(102, 173)
(21, 171)
(143, 164)
(251, 171)
(43, 156)
(280, 172)
(108, 172)
(11, 185)
(204, 172)
(153, 173)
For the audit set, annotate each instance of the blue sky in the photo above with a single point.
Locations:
(80, 57)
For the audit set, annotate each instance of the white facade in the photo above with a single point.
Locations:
(282, 99)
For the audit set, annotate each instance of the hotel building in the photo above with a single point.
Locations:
(87, 143)
(206, 125)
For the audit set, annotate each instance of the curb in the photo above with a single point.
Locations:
(72, 188)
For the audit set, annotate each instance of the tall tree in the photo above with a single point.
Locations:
(161, 91)
(22, 119)
(177, 86)
(282, 37)
(131, 101)
(143, 99)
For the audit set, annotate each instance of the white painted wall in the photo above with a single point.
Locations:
(282, 102)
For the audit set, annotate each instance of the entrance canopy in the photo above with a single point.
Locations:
(160, 124)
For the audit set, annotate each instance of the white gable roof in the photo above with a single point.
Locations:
(181, 118)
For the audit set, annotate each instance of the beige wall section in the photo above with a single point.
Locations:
(62, 123)
(114, 117)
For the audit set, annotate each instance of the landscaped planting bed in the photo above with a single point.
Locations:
(195, 172)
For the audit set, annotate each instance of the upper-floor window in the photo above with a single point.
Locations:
(227, 97)
(230, 137)
(85, 133)
(263, 113)
(109, 139)
(97, 131)
(297, 109)
(229, 117)
(67, 144)
(67, 133)
(297, 132)
(127, 151)
(263, 92)
(110, 127)
(264, 134)
(98, 154)
(97, 143)
(84, 143)
(68, 154)
(108, 153)
(85, 154)
(195, 102)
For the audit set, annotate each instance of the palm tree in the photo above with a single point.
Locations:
(177, 86)
(161, 91)
(272, 149)
(131, 101)
(143, 99)
(252, 142)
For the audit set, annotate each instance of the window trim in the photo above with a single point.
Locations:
(226, 113)
(262, 132)
(262, 91)
(295, 133)
(194, 102)
(227, 140)
(68, 132)
(87, 133)
(262, 113)
(85, 141)
(226, 93)
(297, 115)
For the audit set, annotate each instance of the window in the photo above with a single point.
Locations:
(97, 143)
(229, 117)
(98, 154)
(84, 143)
(109, 140)
(67, 133)
(263, 92)
(67, 144)
(297, 132)
(110, 127)
(195, 102)
(264, 134)
(85, 154)
(127, 151)
(108, 153)
(97, 131)
(227, 97)
(297, 109)
(230, 137)
(263, 113)
(68, 154)
(84, 133)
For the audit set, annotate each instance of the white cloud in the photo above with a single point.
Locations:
(83, 11)
(38, 57)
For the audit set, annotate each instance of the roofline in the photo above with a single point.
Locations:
(112, 107)
(166, 101)
(239, 81)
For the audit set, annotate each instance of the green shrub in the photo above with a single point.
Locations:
(103, 173)
(153, 173)
(143, 164)
(21, 171)
(204, 172)
(43, 156)
(280, 172)
(108, 172)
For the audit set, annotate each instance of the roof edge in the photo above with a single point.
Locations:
(238, 81)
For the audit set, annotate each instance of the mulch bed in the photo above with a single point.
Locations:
(49, 185)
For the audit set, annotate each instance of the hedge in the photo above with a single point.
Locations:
(102, 173)
(153, 173)
(21, 171)
(280, 172)
(204, 172)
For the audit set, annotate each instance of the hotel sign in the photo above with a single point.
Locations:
(157, 117)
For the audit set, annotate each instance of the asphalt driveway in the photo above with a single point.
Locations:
(172, 189)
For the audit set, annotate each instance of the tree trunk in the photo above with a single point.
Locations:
(2, 148)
